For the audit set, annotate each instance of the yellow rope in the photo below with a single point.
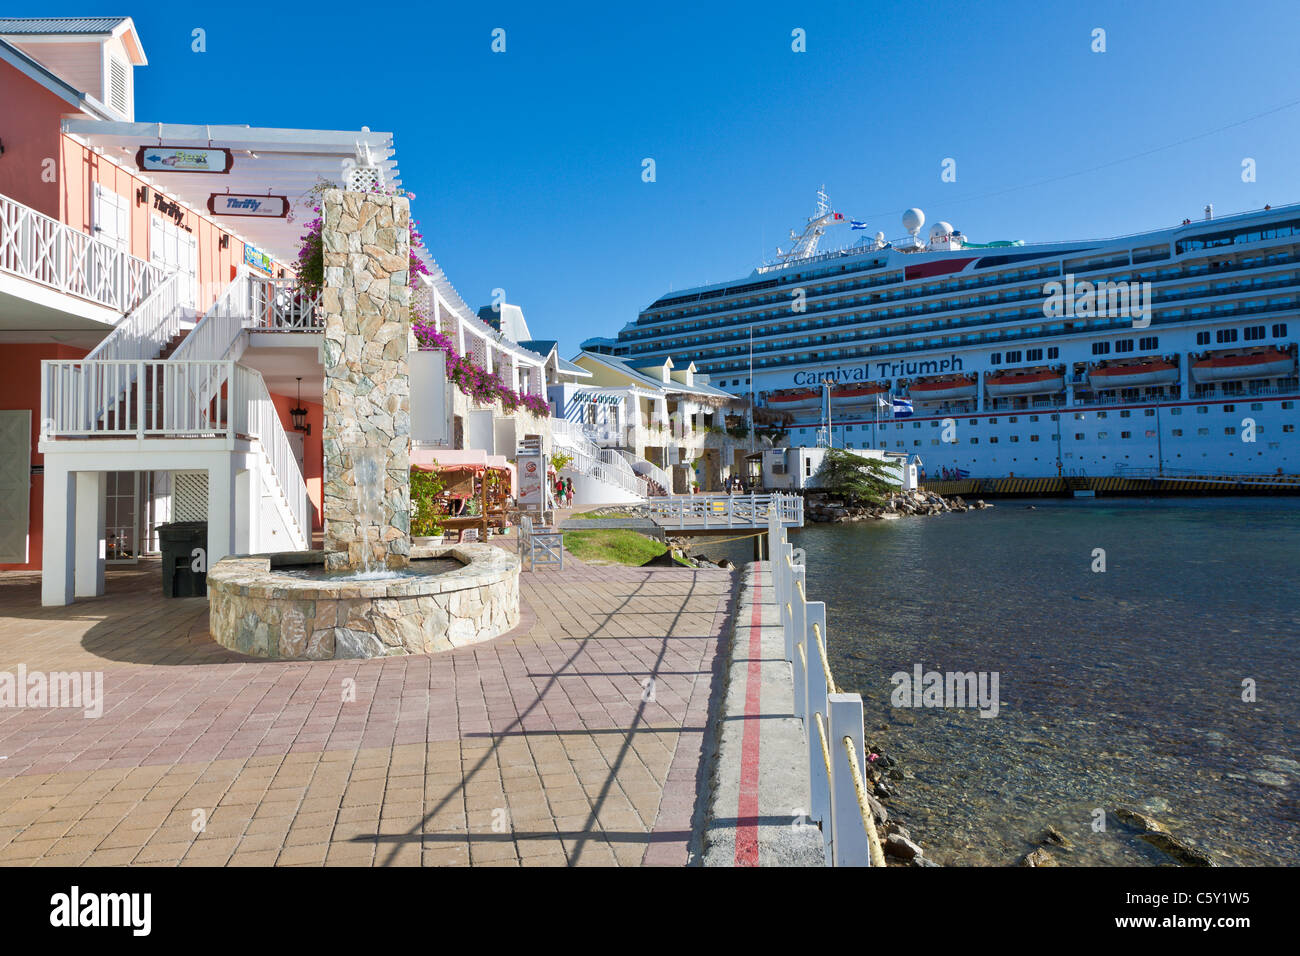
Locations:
(864, 807)
(826, 665)
(826, 750)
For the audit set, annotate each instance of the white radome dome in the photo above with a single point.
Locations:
(940, 228)
(913, 220)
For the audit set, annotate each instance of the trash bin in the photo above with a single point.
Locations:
(179, 541)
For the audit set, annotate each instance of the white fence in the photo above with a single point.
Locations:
(832, 720)
(727, 511)
(55, 255)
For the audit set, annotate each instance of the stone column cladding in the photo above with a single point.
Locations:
(366, 301)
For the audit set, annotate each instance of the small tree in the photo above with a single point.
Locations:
(427, 506)
(855, 478)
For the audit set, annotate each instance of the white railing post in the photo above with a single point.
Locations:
(815, 703)
(139, 397)
(849, 844)
(798, 614)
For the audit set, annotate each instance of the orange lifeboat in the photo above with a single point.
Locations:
(845, 395)
(942, 390)
(1269, 363)
(1024, 383)
(794, 398)
(1133, 374)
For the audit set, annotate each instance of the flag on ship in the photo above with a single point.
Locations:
(882, 402)
(902, 406)
(963, 473)
(857, 224)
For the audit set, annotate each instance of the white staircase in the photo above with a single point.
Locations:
(125, 390)
(658, 480)
(605, 465)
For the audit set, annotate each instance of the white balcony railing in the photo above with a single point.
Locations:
(279, 305)
(57, 256)
(170, 398)
(110, 398)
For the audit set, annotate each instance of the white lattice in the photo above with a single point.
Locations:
(364, 179)
(190, 496)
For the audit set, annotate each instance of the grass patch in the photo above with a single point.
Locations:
(612, 546)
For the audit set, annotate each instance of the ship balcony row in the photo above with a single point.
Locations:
(960, 320)
(712, 365)
(818, 306)
(816, 303)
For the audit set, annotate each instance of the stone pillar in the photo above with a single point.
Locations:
(367, 435)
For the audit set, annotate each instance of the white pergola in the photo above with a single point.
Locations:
(277, 162)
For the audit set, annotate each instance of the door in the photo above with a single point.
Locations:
(122, 517)
(112, 218)
(111, 224)
(173, 248)
(15, 483)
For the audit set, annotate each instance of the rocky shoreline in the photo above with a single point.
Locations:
(826, 509)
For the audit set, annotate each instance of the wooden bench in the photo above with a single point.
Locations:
(541, 543)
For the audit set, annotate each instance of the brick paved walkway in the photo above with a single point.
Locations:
(546, 746)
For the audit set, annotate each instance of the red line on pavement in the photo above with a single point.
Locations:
(747, 810)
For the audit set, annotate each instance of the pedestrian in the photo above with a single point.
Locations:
(568, 492)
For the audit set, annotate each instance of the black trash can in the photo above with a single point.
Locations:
(179, 541)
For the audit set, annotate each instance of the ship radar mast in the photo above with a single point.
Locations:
(805, 243)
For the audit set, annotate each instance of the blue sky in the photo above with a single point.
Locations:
(527, 165)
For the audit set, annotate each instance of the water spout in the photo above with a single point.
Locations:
(368, 470)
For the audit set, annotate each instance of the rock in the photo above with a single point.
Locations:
(726, 565)
(897, 828)
(1039, 857)
(1056, 838)
(902, 848)
(1178, 850)
(1141, 821)
(924, 861)
(349, 643)
(883, 790)
(878, 811)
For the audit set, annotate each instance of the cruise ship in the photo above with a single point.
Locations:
(1164, 353)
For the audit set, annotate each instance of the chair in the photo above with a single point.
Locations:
(541, 544)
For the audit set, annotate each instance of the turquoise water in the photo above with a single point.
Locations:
(1120, 688)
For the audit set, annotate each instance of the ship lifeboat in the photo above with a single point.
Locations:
(1132, 375)
(942, 390)
(1267, 364)
(1024, 383)
(795, 398)
(846, 395)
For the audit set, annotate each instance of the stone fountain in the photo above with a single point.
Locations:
(368, 593)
